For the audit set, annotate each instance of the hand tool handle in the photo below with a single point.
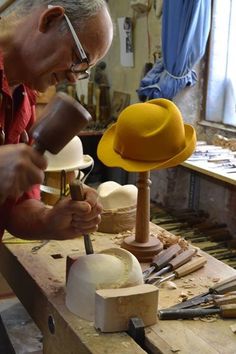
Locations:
(230, 298)
(190, 267)
(226, 311)
(174, 263)
(182, 258)
(163, 258)
(224, 286)
(77, 193)
(186, 313)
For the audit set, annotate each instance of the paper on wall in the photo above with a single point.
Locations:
(126, 41)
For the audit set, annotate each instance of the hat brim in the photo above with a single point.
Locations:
(85, 162)
(111, 158)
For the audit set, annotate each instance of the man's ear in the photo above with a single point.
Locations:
(47, 18)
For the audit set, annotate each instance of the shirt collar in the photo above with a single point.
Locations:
(32, 94)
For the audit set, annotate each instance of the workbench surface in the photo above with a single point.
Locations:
(38, 280)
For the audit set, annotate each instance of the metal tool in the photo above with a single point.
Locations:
(223, 287)
(225, 311)
(77, 193)
(36, 248)
(162, 259)
(174, 263)
(188, 268)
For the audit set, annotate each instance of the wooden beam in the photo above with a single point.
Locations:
(5, 5)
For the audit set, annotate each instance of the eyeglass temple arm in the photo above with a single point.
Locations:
(76, 39)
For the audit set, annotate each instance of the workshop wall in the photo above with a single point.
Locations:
(170, 187)
(127, 79)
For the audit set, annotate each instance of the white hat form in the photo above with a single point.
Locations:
(110, 269)
(114, 196)
(69, 158)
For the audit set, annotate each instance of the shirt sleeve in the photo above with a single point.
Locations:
(33, 193)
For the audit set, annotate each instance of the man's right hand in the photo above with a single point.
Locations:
(20, 168)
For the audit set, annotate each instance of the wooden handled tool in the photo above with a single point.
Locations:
(225, 311)
(229, 298)
(224, 287)
(162, 259)
(175, 263)
(77, 193)
(188, 268)
(61, 120)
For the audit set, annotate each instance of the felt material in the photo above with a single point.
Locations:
(114, 196)
(69, 158)
(147, 136)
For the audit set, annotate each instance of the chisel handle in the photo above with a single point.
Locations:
(227, 299)
(224, 286)
(225, 311)
(163, 258)
(182, 258)
(190, 267)
(77, 193)
(186, 313)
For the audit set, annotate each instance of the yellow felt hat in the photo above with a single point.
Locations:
(147, 136)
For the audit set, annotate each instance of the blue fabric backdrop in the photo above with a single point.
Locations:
(185, 30)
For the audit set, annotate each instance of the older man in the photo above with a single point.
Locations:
(41, 44)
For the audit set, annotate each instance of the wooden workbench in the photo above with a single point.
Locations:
(38, 280)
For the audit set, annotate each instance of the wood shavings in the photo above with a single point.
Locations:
(169, 239)
(189, 286)
(170, 285)
(233, 328)
(175, 350)
(125, 344)
(216, 280)
(209, 319)
(183, 296)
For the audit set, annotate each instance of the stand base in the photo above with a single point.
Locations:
(144, 252)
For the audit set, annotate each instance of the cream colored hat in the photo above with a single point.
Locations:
(111, 269)
(69, 158)
(114, 196)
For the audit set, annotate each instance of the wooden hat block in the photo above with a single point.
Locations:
(143, 245)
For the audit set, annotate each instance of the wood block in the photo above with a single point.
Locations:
(114, 307)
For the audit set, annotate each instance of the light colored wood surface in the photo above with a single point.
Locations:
(207, 168)
(39, 282)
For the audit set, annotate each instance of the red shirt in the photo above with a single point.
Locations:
(17, 114)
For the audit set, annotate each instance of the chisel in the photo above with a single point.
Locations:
(174, 263)
(77, 193)
(190, 267)
(162, 259)
(225, 286)
(225, 311)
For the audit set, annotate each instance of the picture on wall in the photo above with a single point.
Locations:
(120, 100)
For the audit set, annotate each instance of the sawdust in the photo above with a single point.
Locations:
(233, 328)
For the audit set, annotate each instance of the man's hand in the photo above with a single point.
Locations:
(20, 168)
(67, 219)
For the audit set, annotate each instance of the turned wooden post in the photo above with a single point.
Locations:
(143, 208)
(142, 244)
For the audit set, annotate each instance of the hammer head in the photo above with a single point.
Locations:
(61, 120)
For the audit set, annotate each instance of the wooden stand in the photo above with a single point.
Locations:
(143, 245)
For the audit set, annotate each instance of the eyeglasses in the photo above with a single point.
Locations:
(80, 68)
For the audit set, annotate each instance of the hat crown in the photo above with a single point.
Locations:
(150, 131)
(70, 155)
